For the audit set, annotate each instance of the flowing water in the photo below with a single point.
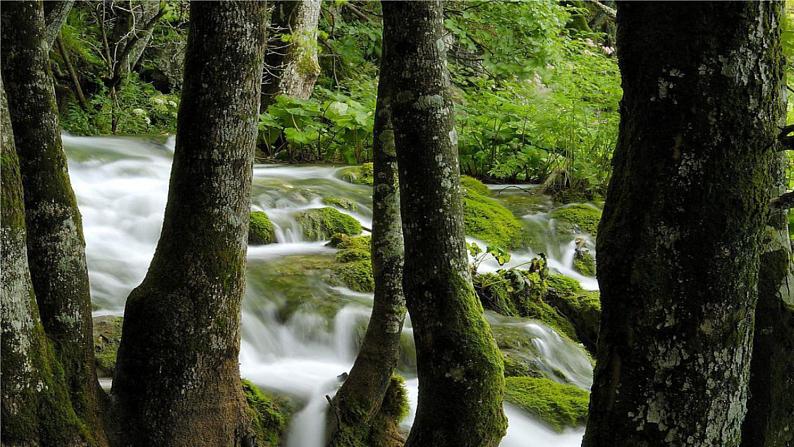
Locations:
(298, 332)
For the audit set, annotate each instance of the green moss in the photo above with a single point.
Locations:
(791, 225)
(518, 365)
(269, 415)
(352, 254)
(341, 202)
(584, 263)
(563, 284)
(343, 241)
(577, 218)
(107, 337)
(488, 220)
(359, 175)
(260, 229)
(322, 223)
(356, 275)
(558, 405)
(582, 308)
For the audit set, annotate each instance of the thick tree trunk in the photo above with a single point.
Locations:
(680, 238)
(55, 13)
(56, 248)
(291, 67)
(36, 409)
(770, 408)
(359, 399)
(459, 366)
(177, 379)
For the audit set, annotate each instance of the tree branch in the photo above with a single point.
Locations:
(785, 138)
(785, 201)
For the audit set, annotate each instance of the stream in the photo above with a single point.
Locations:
(121, 186)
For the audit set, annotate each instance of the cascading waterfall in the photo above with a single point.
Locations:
(122, 186)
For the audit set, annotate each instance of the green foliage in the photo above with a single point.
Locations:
(488, 220)
(260, 229)
(269, 415)
(556, 404)
(321, 223)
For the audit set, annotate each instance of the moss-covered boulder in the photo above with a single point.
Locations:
(488, 220)
(260, 229)
(556, 404)
(107, 337)
(581, 308)
(577, 218)
(584, 262)
(358, 175)
(269, 415)
(320, 224)
(353, 266)
(341, 202)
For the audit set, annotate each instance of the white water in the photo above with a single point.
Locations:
(122, 185)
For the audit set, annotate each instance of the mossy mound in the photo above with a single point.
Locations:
(584, 262)
(260, 229)
(582, 308)
(488, 220)
(577, 218)
(520, 293)
(321, 223)
(107, 337)
(353, 262)
(358, 175)
(344, 241)
(269, 415)
(341, 202)
(518, 365)
(556, 404)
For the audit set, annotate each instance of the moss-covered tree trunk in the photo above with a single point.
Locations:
(680, 238)
(359, 399)
(177, 379)
(291, 66)
(770, 408)
(36, 408)
(55, 13)
(56, 248)
(459, 365)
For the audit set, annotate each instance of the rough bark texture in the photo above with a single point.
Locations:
(459, 365)
(55, 13)
(680, 238)
(177, 379)
(359, 399)
(36, 409)
(56, 248)
(291, 67)
(770, 408)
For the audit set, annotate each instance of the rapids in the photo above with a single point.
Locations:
(121, 186)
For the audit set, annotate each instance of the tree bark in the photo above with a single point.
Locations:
(36, 409)
(55, 13)
(459, 366)
(291, 68)
(680, 238)
(177, 379)
(55, 244)
(770, 408)
(359, 399)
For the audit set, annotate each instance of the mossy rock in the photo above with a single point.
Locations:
(269, 415)
(341, 202)
(321, 223)
(577, 218)
(582, 308)
(556, 404)
(520, 293)
(488, 220)
(358, 175)
(518, 365)
(344, 241)
(356, 275)
(260, 229)
(584, 262)
(107, 337)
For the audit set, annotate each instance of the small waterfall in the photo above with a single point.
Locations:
(122, 185)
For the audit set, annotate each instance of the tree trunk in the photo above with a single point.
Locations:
(291, 67)
(56, 248)
(680, 238)
(770, 408)
(459, 366)
(359, 399)
(177, 379)
(55, 13)
(36, 409)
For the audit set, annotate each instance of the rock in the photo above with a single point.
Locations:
(260, 229)
(269, 415)
(580, 307)
(558, 405)
(322, 223)
(358, 175)
(577, 218)
(488, 220)
(583, 260)
(341, 202)
(107, 337)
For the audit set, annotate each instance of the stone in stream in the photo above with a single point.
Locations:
(260, 229)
